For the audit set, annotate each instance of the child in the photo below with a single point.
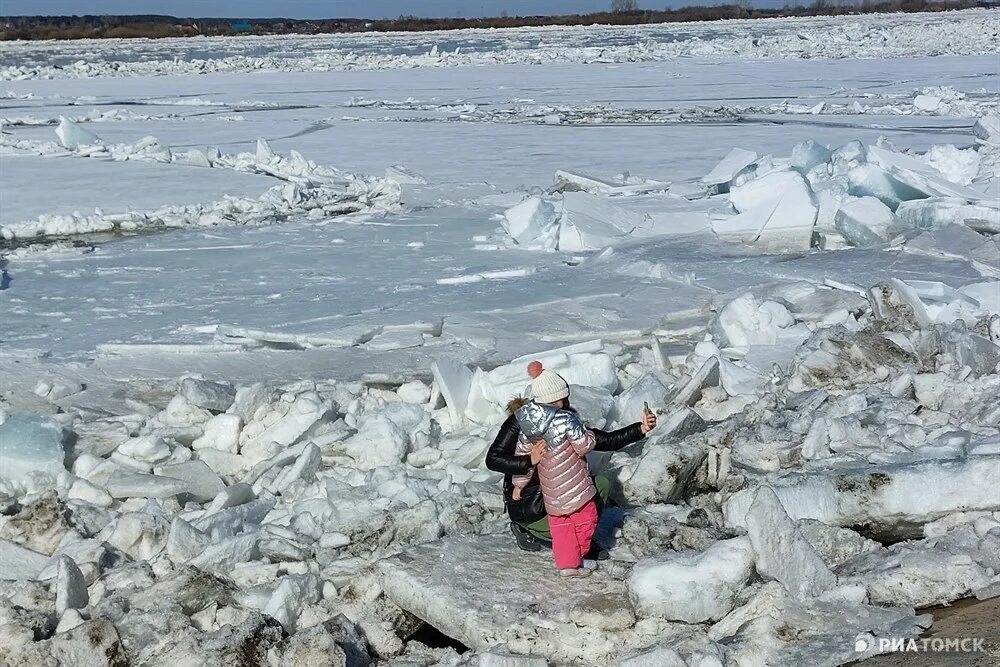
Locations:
(567, 489)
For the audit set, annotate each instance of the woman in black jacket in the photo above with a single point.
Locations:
(527, 515)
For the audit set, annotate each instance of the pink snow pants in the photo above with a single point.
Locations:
(571, 535)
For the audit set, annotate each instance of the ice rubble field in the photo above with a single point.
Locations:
(258, 327)
(873, 36)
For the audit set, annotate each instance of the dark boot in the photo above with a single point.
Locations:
(525, 540)
(597, 552)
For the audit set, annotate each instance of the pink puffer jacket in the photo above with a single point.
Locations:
(562, 472)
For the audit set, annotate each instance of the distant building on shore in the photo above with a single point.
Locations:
(240, 26)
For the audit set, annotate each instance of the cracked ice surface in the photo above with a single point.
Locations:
(263, 433)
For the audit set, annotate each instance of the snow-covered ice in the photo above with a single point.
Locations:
(693, 588)
(262, 318)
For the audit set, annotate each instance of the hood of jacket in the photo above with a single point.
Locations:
(535, 419)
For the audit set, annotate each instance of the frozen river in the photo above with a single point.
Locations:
(264, 300)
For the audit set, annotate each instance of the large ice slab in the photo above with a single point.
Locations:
(72, 135)
(140, 485)
(532, 223)
(940, 211)
(987, 129)
(782, 552)
(777, 211)
(570, 181)
(733, 164)
(589, 222)
(935, 570)
(922, 177)
(865, 221)
(31, 446)
(19, 563)
(454, 380)
(892, 499)
(453, 585)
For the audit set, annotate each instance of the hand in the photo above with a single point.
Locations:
(516, 495)
(537, 450)
(648, 422)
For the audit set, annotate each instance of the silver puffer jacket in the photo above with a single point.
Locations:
(562, 472)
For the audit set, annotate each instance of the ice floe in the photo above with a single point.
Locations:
(307, 188)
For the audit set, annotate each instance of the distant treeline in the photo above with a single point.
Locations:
(155, 26)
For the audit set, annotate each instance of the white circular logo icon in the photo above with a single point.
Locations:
(863, 642)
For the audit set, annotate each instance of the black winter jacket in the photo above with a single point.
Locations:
(501, 458)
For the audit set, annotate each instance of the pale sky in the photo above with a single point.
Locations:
(313, 9)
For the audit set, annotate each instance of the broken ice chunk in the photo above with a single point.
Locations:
(204, 484)
(782, 552)
(941, 211)
(592, 223)
(532, 223)
(139, 485)
(809, 154)
(726, 171)
(651, 389)
(192, 157)
(224, 555)
(454, 380)
(866, 221)
(927, 102)
(400, 174)
(920, 176)
(569, 181)
(31, 445)
(19, 563)
(212, 396)
(956, 164)
(71, 588)
(869, 180)
(950, 241)
(221, 432)
(891, 501)
(72, 136)
(777, 211)
(744, 321)
(692, 190)
(847, 157)
(692, 587)
(987, 129)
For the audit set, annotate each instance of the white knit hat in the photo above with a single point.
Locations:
(546, 386)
